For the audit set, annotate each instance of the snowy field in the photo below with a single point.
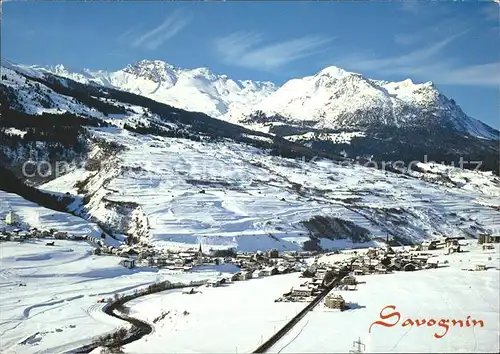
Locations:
(443, 293)
(57, 309)
(235, 318)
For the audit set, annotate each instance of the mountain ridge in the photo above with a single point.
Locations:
(333, 97)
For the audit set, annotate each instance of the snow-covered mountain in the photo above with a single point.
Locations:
(331, 99)
(336, 99)
(174, 178)
(198, 90)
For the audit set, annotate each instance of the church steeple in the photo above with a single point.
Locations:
(200, 251)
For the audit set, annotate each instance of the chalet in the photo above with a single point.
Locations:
(258, 273)
(301, 291)
(335, 302)
(60, 235)
(317, 282)
(381, 269)
(213, 283)
(453, 239)
(349, 280)
(128, 263)
(320, 273)
(270, 271)
(244, 275)
(429, 245)
(410, 267)
(11, 218)
(432, 262)
(273, 253)
(372, 253)
(482, 238)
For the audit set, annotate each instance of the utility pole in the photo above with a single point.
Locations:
(356, 346)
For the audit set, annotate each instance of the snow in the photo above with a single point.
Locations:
(234, 318)
(248, 203)
(326, 97)
(57, 309)
(443, 293)
(44, 219)
(197, 90)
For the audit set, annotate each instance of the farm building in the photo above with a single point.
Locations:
(271, 271)
(349, 280)
(213, 283)
(487, 239)
(480, 267)
(429, 245)
(258, 273)
(128, 263)
(410, 267)
(301, 291)
(432, 262)
(244, 275)
(335, 302)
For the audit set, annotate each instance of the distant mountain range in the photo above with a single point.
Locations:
(331, 99)
(334, 110)
(176, 178)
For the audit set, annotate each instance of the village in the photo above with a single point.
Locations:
(318, 269)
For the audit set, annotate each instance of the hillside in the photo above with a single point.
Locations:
(173, 178)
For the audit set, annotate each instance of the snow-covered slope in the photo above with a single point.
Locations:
(198, 90)
(176, 179)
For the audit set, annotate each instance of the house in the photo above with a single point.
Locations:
(273, 253)
(453, 239)
(128, 263)
(381, 269)
(335, 302)
(317, 282)
(320, 273)
(11, 218)
(410, 267)
(270, 271)
(482, 238)
(429, 245)
(258, 273)
(432, 262)
(301, 291)
(480, 267)
(213, 283)
(349, 280)
(244, 275)
(60, 235)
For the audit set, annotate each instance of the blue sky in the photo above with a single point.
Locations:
(453, 44)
